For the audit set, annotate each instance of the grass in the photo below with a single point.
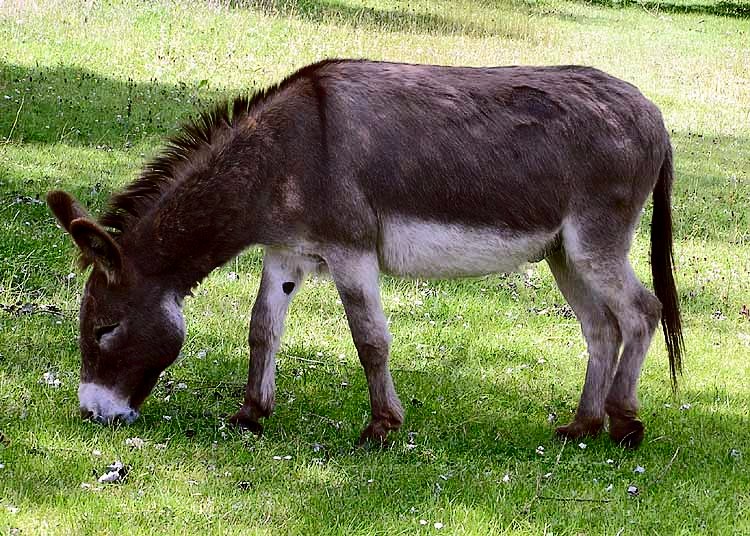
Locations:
(87, 92)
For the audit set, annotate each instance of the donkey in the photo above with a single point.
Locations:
(357, 168)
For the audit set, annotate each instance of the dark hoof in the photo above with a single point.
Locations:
(627, 434)
(243, 422)
(376, 434)
(579, 429)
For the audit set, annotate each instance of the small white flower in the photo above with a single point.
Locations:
(71, 275)
(2, 466)
(540, 450)
(202, 354)
(423, 522)
(167, 417)
(96, 452)
(552, 417)
(685, 407)
(734, 453)
(160, 446)
(506, 478)
(610, 461)
(277, 458)
(547, 475)
(582, 446)
(632, 491)
(12, 509)
(609, 488)
(85, 485)
(287, 457)
(639, 469)
(370, 480)
(438, 525)
(232, 276)
(135, 442)
(181, 386)
(50, 379)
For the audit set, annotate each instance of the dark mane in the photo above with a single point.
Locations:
(194, 138)
(183, 150)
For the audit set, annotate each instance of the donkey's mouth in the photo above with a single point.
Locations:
(127, 417)
(103, 405)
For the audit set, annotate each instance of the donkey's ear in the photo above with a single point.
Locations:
(65, 208)
(97, 246)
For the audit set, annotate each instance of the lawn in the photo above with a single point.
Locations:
(486, 368)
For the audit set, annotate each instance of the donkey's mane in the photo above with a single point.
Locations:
(181, 153)
(186, 151)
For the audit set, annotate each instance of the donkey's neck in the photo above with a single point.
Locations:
(203, 221)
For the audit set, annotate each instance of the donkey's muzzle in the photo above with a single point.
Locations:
(126, 417)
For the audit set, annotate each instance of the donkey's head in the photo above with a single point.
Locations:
(131, 324)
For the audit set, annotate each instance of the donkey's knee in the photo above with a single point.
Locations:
(373, 349)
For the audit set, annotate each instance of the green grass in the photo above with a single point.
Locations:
(88, 91)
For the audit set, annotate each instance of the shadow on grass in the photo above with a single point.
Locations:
(389, 20)
(739, 10)
(74, 106)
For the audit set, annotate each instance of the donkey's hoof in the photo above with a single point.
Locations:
(242, 421)
(376, 434)
(580, 428)
(626, 433)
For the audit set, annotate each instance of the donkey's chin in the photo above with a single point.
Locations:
(104, 405)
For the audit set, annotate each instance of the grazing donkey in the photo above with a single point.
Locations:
(361, 167)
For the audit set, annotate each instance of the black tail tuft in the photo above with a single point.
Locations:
(662, 257)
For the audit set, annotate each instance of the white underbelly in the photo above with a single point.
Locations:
(435, 250)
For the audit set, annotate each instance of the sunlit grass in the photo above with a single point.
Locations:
(479, 364)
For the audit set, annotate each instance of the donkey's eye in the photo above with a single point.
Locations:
(101, 331)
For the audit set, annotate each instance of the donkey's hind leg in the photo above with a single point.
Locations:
(605, 267)
(356, 278)
(603, 339)
(283, 274)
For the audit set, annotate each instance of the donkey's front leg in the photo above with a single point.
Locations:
(282, 277)
(356, 277)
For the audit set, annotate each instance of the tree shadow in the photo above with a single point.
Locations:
(390, 20)
(738, 10)
(76, 107)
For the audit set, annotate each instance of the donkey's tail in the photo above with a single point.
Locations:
(662, 257)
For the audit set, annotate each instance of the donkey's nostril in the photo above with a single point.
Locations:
(86, 413)
(128, 417)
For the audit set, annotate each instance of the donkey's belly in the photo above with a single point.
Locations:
(437, 250)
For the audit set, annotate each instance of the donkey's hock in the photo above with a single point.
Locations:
(361, 168)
